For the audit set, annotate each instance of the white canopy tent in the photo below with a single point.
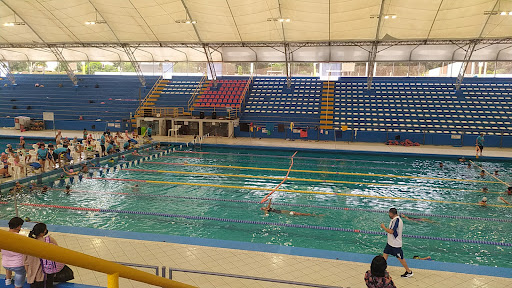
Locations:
(256, 30)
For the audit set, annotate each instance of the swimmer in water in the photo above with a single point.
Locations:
(269, 209)
(135, 153)
(68, 190)
(482, 173)
(422, 258)
(485, 190)
(135, 188)
(417, 219)
(483, 202)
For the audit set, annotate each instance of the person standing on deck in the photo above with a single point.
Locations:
(394, 245)
(480, 144)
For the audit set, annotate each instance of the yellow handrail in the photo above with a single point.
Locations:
(28, 246)
(147, 95)
(196, 92)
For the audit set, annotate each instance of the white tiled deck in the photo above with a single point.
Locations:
(268, 265)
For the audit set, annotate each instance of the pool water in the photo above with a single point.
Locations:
(363, 174)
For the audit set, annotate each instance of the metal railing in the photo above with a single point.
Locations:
(40, 249)
(137, 112)
(244, 93)
(164, 112)
(255, 278)
(196, 92)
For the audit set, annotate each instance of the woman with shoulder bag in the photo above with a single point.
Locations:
(41, 272)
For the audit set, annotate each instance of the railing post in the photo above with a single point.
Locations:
(163, 271)
(170, 273)
(113, 280)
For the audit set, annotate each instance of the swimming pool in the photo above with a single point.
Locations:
(223, 183)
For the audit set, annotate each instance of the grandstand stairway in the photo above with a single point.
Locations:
(327, 109)
(166, 93)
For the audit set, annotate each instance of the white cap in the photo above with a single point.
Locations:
(484, 199)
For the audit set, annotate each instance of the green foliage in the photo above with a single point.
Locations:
(18, 66)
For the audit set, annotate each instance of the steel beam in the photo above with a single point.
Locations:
(372, 55)
(288, 60)
(258, 44)
(129, 52)
(5, 69)
(467, 57)
(371, 65)
(211, 65)
(58, 54)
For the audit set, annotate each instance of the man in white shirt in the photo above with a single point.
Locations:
(394, 245)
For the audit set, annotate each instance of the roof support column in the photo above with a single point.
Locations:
(58, 54)
(465, 62)
(371, 64)
(211, 65)
(288, 56)
(7, 71)
(135, 64)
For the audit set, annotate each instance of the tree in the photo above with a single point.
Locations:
(18, 66)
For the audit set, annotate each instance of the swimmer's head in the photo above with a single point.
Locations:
(485, 189)
(71, 170)
(484, 200)
(21, 138)
(416, 257)
(68, 187)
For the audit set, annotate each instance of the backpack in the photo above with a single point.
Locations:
(49, 266)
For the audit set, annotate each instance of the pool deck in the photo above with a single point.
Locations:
(330, 272)
(466, 151)
(260, 260)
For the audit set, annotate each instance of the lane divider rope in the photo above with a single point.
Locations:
(321, 172)
(292, 205)
(295, 191)
(339, 229)
(296, 179)
(285, 157)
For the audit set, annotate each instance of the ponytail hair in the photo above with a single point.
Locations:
(38, 229)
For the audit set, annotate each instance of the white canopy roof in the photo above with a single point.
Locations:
(250, 30)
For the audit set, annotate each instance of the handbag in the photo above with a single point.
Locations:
(64, 275)
(49, 266)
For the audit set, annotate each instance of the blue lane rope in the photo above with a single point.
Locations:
(302, 226)
(324, 207)
(288, 157)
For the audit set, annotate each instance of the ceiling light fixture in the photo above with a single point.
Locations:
(186, 21)
(385, 16)
(14, 23)
(503, 13)
(10, 24)
(94, 22)
(279, 20)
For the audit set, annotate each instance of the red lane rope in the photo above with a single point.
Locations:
(61, 207)
(278, 185)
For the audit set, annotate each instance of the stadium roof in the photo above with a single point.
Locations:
(255, 30)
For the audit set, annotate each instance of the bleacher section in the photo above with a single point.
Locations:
(416, 105)
(227, 94)
(112, 102)
(271, 101)
(177, 92)
(427, 110)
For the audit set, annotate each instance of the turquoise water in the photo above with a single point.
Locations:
(370, 170)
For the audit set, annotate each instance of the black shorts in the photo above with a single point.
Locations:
(102, 148)
(481, 148)
(394, 251)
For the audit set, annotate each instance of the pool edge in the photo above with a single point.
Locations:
(278, 249)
